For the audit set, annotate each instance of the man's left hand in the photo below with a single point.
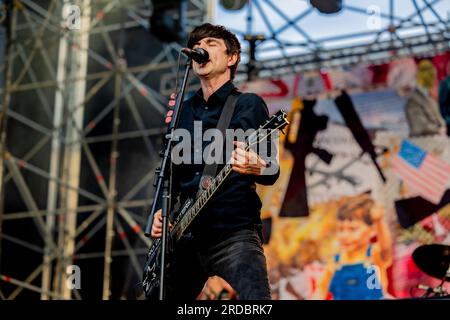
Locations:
(246, 162)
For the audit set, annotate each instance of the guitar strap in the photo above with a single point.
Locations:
(210, 169)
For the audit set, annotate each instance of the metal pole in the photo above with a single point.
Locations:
(167, 181)
(3, 113)
(55, 154)
(112, 194)
(72, 158)
(121, 67)
(210, 10)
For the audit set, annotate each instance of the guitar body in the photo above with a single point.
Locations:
(152, 271)
(152, 267)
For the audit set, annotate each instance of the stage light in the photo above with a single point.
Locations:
(327, 6)
(167, 21)
(233, 4)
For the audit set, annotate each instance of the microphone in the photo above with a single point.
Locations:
(199, 55)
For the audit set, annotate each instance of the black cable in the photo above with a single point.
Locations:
(177, 74)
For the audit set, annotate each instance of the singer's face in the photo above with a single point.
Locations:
(219, 62)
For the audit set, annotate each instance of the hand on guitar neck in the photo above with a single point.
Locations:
(157, 225)
(246, 161)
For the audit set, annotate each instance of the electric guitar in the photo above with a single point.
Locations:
(191, 208)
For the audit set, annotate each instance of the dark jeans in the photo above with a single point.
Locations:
(239, 260)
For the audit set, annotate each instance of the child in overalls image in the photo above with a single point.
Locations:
(358, 271)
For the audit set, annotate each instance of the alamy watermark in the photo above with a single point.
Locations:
(373, 280)
(71, 16)
(73, 279)
(189, 149)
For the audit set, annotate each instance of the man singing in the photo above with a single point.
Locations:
(226, 238)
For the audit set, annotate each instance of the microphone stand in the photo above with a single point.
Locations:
(439, 290)
(164, 183)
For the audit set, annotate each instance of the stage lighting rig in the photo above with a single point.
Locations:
(233, 5)
(327, 6)
(168, 21)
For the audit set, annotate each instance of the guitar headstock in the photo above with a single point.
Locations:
(277, 121)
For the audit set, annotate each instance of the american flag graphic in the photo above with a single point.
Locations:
(422, 172)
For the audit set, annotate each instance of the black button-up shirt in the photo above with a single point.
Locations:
(235, 204)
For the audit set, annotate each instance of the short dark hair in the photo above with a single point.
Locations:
(220, 32)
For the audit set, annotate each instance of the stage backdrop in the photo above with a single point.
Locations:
(335, 225)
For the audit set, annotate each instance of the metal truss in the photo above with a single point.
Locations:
(289, 47)
(63, 71)
(377, 53)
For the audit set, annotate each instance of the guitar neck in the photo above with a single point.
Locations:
(184, 221)
(189, 212)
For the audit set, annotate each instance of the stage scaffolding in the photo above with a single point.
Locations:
(38, 30)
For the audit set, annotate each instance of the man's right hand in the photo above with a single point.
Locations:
(157, 225)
